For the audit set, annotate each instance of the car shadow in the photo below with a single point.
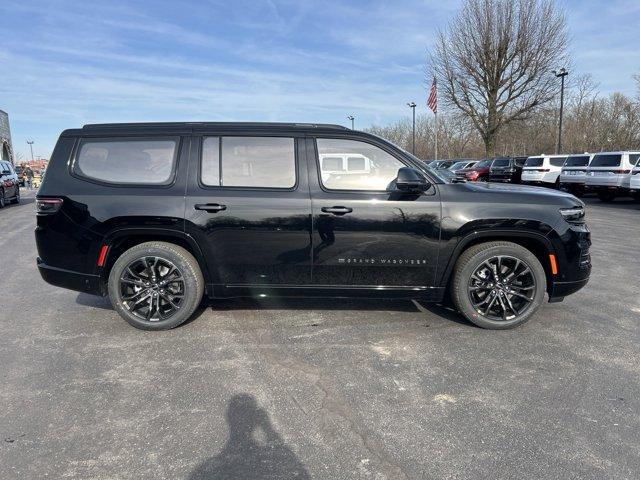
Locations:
(253, 450)
(284, 303)
(620, 203)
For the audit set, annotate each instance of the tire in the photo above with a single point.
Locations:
(606, 196)
(16, 199)
(465, 289)
(3, 200)
(177, 294)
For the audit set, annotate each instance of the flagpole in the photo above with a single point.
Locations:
(436, 134)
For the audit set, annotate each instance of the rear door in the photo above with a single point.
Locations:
(248, 206)
(363, 235)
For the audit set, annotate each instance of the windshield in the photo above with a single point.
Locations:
(577, 161)
(483, 164)
(458, 165)
(606, 160)
(534, 162)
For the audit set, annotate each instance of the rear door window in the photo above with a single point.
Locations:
(262, 162)
(606, 160)
(127, 161)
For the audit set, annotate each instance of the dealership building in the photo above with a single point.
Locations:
(5, 137)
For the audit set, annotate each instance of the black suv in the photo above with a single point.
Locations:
(9, 184)
(156, 215)
(507, 169)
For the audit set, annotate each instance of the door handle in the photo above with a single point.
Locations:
(337, 210)
(210, 207)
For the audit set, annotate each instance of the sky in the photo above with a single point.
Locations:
(65, 63)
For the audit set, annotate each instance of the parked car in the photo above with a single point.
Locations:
(506, 169)
(462, 165)
(634, 183)
(442, 164)
(9, 185)
(20, 173)
(543, 170)
(609, 174)
(479, 172)
(157, 215)
(574, 173)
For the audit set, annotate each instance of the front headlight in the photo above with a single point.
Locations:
(573, 215)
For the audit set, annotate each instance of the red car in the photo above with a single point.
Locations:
(478, 173)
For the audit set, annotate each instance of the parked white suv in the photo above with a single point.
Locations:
(543, 170)
(634, 183)
(574, 173)
(609, 174)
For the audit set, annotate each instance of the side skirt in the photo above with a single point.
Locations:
(427, 294)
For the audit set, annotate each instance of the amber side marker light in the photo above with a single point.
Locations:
(554, 264)
(103, 255)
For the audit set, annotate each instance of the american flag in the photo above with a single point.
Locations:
(432, 101)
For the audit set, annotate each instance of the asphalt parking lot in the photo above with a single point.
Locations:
(333, 389)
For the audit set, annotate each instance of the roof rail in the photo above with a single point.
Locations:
(92, 126)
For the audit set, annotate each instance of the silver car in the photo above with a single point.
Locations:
(574, 173)
(609, 174)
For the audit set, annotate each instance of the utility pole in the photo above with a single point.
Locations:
(352, 118)
(412, 106)
(563, 72)
(30, 142)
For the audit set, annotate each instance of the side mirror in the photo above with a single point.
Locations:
(411, 180)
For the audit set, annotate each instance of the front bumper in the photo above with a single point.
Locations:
(80, 282)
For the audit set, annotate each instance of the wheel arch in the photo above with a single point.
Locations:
(536, 243)
(123, 239)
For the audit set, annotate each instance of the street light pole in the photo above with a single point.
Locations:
(352, 118)
(563, 72)
(30, 142)
(412, 106)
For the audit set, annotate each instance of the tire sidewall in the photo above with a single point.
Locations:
(464, 302)
(193, 284)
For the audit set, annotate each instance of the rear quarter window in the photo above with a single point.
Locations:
(127, 161)
(534, 162)
(606, 160)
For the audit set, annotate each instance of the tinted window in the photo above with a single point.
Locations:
(520, 161)
(380, 168)
(557, 161)
(249, 162)
(534, 162)
(606, 160)
(634, 158)
(127, 161)
(577, 161)
(500, 162)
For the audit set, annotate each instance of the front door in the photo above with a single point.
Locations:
(249, 208)
(363, 235)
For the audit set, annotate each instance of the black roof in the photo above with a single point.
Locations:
(188, 127)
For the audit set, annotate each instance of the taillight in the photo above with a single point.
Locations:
(46, 206)
(473, 175)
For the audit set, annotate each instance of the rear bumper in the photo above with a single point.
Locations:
(71, 280)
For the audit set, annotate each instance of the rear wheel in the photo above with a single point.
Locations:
(156, 285)
(498, 285)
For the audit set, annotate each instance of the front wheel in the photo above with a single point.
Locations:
(156, 285)
(498, 285)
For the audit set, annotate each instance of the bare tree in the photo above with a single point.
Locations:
(494, 61)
